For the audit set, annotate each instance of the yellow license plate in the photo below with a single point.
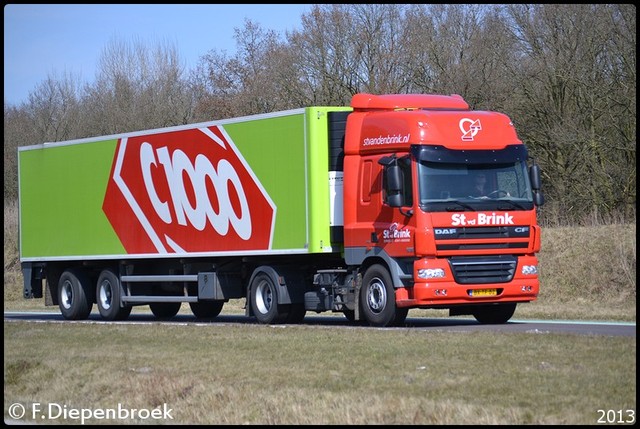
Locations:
(484, 292)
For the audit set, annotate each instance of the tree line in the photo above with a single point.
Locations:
(565, 74)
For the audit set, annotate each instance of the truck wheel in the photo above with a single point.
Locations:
(206, 309)
(296, 313)
(350, 315)
(74, 295)
(377, 298)
(495, 314)
(401, 316)
(108, 295)
(165, 310)
(264, 300)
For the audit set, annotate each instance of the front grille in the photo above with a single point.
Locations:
(478, 246)
(482, 232)
(515, 237)
(484, 269)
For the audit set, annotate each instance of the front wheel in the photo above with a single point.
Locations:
(494, 314)
(108, 296)
(378, 298)
(400, 317)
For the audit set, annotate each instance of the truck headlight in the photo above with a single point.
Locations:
(529, 270)
(430, 273)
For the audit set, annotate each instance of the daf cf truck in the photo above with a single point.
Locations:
(367, 210)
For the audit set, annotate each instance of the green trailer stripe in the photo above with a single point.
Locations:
(319, 201)
(61, 214)
(274, 149)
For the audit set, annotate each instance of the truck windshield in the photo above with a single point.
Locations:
(463, 186)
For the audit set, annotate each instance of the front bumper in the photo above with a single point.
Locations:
(518, 283)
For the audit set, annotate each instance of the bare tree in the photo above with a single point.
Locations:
(18, 131)
(136, 88)
(565, 74)
(460, 49)
(257, 79)
(325, 55)
(350, 48)
(54, 108)
(575, 84)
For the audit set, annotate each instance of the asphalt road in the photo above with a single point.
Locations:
(627, 329)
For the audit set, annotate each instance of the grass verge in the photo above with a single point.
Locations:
(256, 374)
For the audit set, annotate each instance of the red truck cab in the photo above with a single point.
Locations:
(423, 236)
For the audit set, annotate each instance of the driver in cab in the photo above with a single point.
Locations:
(479, 186)
(482, 190)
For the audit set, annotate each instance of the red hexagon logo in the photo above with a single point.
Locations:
(186, 191)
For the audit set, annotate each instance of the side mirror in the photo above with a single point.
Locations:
(538, 198)
(536, 184)
(534, 176)
(394, 179)
(395, 195)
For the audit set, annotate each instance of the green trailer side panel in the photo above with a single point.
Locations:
(275, 150)
(61, 213)
(63, 185)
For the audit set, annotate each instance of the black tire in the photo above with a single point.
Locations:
(108, 294)
(378, 298)
(350, 315)
(401, 316)
(206, 309)
(75, 297)
(165, 310)
(264, 300)
(296, 313)
(494, 314)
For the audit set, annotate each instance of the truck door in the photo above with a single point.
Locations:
(394, 225)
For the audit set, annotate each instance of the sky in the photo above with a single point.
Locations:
(42, 40)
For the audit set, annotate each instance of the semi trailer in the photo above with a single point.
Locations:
(367, 210)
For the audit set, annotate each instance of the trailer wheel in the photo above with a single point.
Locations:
(296, 313)
(108, 294)
(165, 310)
(494, 314)
(74, 295)
(377, 298)
(206, 309)
(264, 300)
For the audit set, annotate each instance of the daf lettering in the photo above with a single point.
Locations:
(445, 231)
